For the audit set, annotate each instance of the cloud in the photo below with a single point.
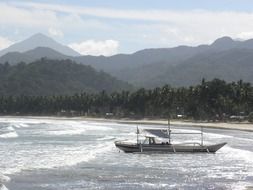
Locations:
(148, 14)
(245, 35)
(5, 42)
(55, 32)
(135, 28)
(92, 47)
(11, 14)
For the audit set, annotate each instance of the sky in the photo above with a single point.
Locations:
(108, 27)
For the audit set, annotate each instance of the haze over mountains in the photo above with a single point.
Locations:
(226, 59)
(39, 40)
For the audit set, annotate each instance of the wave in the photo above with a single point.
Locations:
(66, 132)
(73, 157)
(99, 127)
(4, 178)
(107, 138)
(8, 132)
(241, 186)
(244, 155)
(9, 128)
(12, 134)
(20, 125)
(2, 187)
(51, 156)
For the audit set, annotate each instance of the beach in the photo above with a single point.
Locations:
(242, 126)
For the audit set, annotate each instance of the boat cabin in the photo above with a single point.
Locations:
(149, 140)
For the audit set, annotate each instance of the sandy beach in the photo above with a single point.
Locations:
(218, 125)
(243, 126)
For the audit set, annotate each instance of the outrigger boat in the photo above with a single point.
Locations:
(151, 145)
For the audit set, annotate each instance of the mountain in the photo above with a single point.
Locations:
(222, 59)
(53, 77)
(32, 55)
(178, 66)
(39, 40)
(230, 65)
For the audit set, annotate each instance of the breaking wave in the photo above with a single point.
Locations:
(12, 134)
(3, 179)
(8, 132)
(20, 125)
(2, 187)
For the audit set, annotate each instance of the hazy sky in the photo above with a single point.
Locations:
(124, 26)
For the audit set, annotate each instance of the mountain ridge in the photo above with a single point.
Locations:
(39, 40)
(152, 67)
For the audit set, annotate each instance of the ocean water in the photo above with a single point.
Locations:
(73, 154)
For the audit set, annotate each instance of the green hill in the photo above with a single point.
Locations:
(54, 77)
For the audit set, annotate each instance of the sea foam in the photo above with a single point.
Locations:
(7, 135)
(2, 187)
(4, 179)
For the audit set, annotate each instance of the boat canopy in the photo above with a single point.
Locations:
(162, 133)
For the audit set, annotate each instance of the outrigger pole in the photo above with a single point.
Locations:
(169, 130)
(169, 133)
(202, 139)
(137, 133)
(137, 139)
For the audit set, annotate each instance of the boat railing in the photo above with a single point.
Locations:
(190, 143)
(124, 142)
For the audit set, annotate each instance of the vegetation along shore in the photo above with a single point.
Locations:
(213, 101)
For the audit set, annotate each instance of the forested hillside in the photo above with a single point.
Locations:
(54, 77)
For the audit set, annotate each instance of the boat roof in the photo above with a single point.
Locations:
(162, 133)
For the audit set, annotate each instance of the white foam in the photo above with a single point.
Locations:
(10, 128)
(8, 132)
(2, 187)
(154, 185)
(20, 125)
(4, 179)
(46, 157)
(73, 131)
(106, 138)
(99, 128)
(239, 154)
(242, 185)
(8, 135)
(150, 185)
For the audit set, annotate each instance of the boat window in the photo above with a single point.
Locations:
(152, 140)
(146, 141)
(149, 140)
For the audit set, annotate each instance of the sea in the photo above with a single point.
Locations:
(40, 153)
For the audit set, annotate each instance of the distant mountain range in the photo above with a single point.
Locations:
(226, 59)
(39, 40)
(54, 77)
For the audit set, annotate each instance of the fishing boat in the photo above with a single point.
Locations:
(151, 145)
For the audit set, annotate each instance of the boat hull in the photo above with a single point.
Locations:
(167, 148)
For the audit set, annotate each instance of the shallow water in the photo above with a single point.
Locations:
(46, 153)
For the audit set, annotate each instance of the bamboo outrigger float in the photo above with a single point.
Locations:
(150, 145)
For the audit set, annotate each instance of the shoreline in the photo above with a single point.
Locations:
(215, 125)
(219, 125)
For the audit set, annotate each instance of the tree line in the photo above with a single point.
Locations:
(210, 100)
